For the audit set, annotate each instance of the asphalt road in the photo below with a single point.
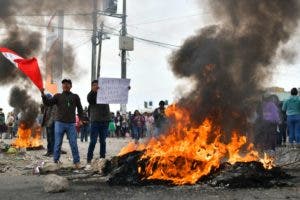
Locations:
(31, 188)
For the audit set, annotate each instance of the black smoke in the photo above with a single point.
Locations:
(21, 36)
(230, 61)
(23, 103)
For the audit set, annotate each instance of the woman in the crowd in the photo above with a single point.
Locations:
(138, 124)
(292, 108)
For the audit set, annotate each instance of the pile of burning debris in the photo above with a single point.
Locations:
(187, 155)
(27, 139)
(129, 169)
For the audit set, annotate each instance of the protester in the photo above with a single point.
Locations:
(10, 123)
(125, 125)
(292, 109)
(66, 103)
(268, 122)
(130, 124)
(16, 124)
(138, 124)
(149, 120)
(112, 126)
(281, 139)
(118, 122)
(100, 117)
(159, 118)
(2, 123)
(84, 126)
(48, 123)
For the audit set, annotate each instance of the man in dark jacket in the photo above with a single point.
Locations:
(160, 118)
(99, 118)
(66, 103)
(49, 113)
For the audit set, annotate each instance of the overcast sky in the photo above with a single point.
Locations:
(168, 21)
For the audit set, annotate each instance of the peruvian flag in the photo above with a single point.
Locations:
(29, 67)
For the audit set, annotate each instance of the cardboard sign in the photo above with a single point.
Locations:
(113, 91)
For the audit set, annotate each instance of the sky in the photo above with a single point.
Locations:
(168, 21)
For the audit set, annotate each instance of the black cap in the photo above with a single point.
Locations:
(67, 81)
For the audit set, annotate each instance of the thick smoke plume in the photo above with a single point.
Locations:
(27, 43)
(24, 104)
(230, 61)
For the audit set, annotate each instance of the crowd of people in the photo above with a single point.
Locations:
(274, 121)
(95, 121)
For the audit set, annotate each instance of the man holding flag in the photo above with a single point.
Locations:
(66, 103)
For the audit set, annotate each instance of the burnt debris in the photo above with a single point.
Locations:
(125, 171)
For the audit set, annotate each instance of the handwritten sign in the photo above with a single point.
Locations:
(113, 91)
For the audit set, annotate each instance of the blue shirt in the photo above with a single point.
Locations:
(292, 106)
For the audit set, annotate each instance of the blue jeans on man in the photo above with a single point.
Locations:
(98, 129)
(70, 129)
(293, 122)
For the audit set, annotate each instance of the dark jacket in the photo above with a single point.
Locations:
(66, 103)
(98, 112)
(159, 117)
(49, 116)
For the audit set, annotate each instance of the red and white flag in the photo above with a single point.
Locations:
(29, 67)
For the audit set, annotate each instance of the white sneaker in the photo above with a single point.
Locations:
(88, 167)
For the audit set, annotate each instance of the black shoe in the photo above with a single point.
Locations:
(63, 152)
(48, 154)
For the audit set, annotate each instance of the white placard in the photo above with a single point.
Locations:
(113, 91)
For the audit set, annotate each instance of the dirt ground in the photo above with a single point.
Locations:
(18, 182)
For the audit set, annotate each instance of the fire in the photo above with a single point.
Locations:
(28, 137)
(186, 153)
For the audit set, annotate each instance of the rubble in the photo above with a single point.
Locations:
(246, 175)
(239, 175)
(287, 157)
(54, 183)
(101, 166)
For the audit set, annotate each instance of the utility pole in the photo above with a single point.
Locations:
(123, 59)
(100, 37)
(61, 45)
(94, 41)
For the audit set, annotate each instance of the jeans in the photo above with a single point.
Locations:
(137, 132)
(70, 129)
(293, 122)
(84, 132)
(50, 138)
(98, 129)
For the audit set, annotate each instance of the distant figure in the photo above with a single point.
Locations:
(112, 126)
(281, 139)
(149, 119)
(100, 117)
(10, 124)
(2, 123)
(268, 121)
(84, 126)
(138, 124)
(292, 108)
(159, 118)
(66, 103)
(118, 122)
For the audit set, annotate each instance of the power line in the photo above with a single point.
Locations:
(161, 44)
(168, 19)
(46, 15)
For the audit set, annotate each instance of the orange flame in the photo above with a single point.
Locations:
(186, 153)
(26, 138)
